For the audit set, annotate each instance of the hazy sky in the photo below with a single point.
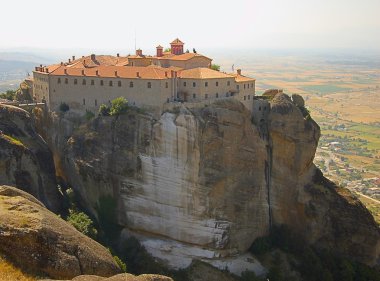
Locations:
(111, 24)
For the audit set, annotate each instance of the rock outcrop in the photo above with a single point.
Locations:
(119, 277)
(25, 159)
(32, 235)
(204, 183)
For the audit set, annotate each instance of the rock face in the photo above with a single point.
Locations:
(205, 182)
(42, 242)
(25, 159)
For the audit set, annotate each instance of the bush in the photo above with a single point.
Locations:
(118, 106)
(82, 223)
(104, 110)
(215, 67)
(120, 263)
(89, 115)
(64, 107)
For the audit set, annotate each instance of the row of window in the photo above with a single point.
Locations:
(110, 83)
(247, 97)
(216, 95)
(217, 84)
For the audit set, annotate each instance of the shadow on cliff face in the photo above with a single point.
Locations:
(25, 159)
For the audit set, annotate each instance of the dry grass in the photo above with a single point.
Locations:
(8, 272)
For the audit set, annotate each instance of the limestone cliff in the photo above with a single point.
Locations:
(25, 159)
(205, 182)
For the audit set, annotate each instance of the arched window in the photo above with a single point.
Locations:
(217, 83)
(149, 85)
(194, 84)
(101, 82)
(84, 101)
(119, 83)
(206, 84)
(131, 84)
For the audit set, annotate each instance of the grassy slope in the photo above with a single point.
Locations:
(8, 272)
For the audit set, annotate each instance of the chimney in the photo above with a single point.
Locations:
(83, 72)
(82, 57)
(47, 70)
(239, 71)
(69, 60)
(118, 55)
(61, 63)
(73, 58)
(116, 73)
(92, 56)
(97, 73)
(159, 52)
(139, 52)
(36, 68)
(65, 71)
(138, 74)
(40, 65)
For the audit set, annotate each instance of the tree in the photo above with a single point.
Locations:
(64, 107)
(215, 67)
(118, 106)
(167, 50)
(9, 95)
(82, 223)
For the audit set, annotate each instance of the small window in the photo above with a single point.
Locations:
(119, 83)
(228, 83)
(59, 80)
(245, 97)
(248, 86)
(249, 97)
(96, 102)
(130, 84)
(251, 85)
(194, 96)
(244, 86)
(75, 81)
(206, 84)
(166, 85)
(110, 83)
(101, 82)
(149, 85)
(237, 87)
(226, 94)
(206, 96)
(217, 95)
(184, 84)
(84, 82)
(217, 83)
(259, 108)
(92, 82)
(194, 84)
(84, 101)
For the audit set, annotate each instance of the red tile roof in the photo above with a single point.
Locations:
(115, 72)
(177, 42)
(203, 73)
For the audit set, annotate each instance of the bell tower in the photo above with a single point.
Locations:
(177, 47)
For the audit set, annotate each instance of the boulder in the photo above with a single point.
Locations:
(37, 239)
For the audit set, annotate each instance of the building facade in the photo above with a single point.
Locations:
(145, 81)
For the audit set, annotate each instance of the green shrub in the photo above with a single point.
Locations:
(82, 223)
(215, 67)
(120, 263)
(89, 115)
(104, 110)
(64, 107)
(118, 106)
(9, 95)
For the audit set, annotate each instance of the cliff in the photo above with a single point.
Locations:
(25, 159)
(204, 183)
